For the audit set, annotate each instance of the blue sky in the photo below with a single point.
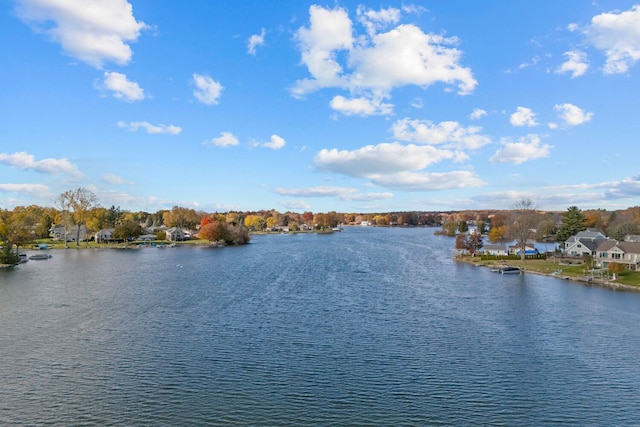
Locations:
(302, 106)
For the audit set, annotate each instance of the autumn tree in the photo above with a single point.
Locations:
(498, 230)
(272, 222)
(213, 231)
(616, 267)
(471, 243)
(524, 219)
(307, 217)
(182, 218)
(573, 221)
(206, 219)
(78, 202)
(7, 254)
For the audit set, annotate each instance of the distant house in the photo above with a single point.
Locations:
(591, 234)
(104, 235)
(584, 242)
(529, 249)
(175, 234)
(627, 253)
(497, 249)
(57, 232)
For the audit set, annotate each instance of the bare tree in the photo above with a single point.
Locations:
(524, 219)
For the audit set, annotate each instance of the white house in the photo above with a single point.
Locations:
(580, 247)
(495, 249)
(104, 235)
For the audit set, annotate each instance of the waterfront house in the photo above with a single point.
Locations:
(580, 247)
(104, 235)
(57, 232)
(175, 234)
(584, 242)
(498, 249)
(627, 253)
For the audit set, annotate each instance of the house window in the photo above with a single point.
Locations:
(615, 255)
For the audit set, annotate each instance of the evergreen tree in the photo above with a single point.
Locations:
(573, 221)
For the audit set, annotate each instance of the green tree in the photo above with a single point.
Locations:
(620, 231)
(573, 221)
(449, 228)
(127, 230)
(481, 226)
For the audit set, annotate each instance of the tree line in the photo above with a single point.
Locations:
(80, 207)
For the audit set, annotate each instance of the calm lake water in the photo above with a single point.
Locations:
(365, 327)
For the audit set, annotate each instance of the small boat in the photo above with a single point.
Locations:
(510, 270)
(40, 256)
(22, 258)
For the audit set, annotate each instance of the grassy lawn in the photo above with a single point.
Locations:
(631, 278)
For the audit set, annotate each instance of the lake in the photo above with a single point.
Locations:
(367, 327)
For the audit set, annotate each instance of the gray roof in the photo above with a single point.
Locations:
(626, 247)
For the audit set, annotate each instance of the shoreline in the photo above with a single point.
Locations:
(583, 280)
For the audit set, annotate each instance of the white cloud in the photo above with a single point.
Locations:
(296, 205)
(408, 56)
(628, 187)
(37, 189)
(477, 113)
(617, 35)
(207, 90)
(226, 139)
(381, 159)
(93, 31)
(329, 31)
(113, 179)
(374, 64)
(523, 117)
(450, 134)
(576, 64)
(26, 161)
(152, 129)
(423, 181)
(254, 41)
(375, 21)
(525, 149)
(360, 106)
(342, 193)
(121, 87)
(275, 143)
(572, 115)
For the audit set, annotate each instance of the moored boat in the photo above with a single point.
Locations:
(510, 270)
(40, 256)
